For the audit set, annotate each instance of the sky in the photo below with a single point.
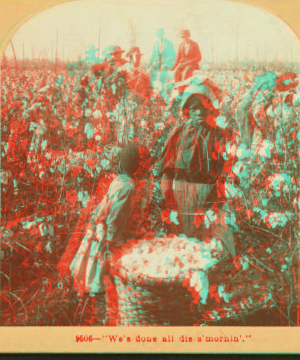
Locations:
(224, 30)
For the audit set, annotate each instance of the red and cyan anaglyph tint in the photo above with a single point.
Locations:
(149, 187)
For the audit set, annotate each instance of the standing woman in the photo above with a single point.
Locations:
(192, 169)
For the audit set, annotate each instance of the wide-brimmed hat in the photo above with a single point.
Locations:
(91, 49)
(201, 91)
(159, 31)
(185, 33)
(133, 50)
(113, 49)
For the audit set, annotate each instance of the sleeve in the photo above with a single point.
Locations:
(167, 158)
(178, 57)
(122, 200)
(198, 55)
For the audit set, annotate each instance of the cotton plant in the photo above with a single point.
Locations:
(232, 191)
(243, 171)
(266, 197)
(174, 217)
(277, 219)
(209, 218)
(280, 182)
(223, 294)
(83, 197)
(263, 148)
(230, 219)
(242, 152)
(230, 151)
(222, 122)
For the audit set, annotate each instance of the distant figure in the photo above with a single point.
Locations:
(188, 57)
(162, 59)
(134, 55)
(115, 70)
(91, 58)
(113, 55)
(138, 80)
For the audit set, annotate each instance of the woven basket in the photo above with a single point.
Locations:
(145, 300)
(154, 306)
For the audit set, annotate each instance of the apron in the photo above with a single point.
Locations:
(193, 198)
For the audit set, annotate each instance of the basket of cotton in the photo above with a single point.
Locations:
(164, 281)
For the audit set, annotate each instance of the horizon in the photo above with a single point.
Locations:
(226, 32)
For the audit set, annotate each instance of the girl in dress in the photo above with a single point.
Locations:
(118, 217)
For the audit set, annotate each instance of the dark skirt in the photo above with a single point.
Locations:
(190, 199)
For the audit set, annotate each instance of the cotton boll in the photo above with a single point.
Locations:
(221, 121)
(265, 148)
(244, 263)
(97, 114)
(232, 191)
(231, 149)
(242, 152)
(237, 168)
(43, 229)
(225, 296)
(216, 104)
(88, 112)
(209, 218)
(193, 279)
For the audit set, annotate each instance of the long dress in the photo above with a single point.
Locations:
(192, 167)
(63, 265)
(117, 218)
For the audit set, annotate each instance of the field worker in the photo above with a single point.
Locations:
(188, 57)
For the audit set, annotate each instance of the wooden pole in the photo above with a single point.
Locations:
(56, 51)
(52, 52)
(212, 47)
(99, 37)
(237, 44)
(13, 49)
(32, 53)
(3, 59)
(134, 35)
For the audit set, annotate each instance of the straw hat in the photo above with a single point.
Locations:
(113, 49)
(133, 50)
(197, 89)
(185, 34)
(159, 31)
